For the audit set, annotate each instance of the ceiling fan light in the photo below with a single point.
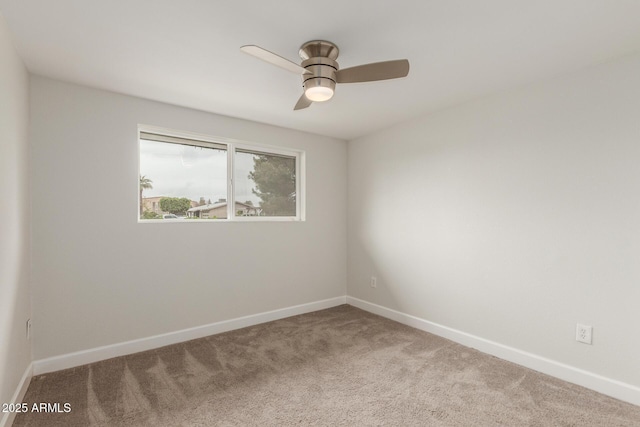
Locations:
(319, 93)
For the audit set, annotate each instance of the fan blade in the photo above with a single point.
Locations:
(274, 59)
(303, 102)
(375, 71)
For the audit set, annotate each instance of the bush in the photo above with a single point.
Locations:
(150, 215)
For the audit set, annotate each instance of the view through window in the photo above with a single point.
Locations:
(267, 181)
(188, 179)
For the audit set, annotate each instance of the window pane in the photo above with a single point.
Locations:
(265, 184)
(179, 180)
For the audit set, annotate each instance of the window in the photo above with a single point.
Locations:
(185, 177)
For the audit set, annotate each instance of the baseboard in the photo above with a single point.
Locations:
(610, 387)
(18, 396)
(617, 389)
(79, 358)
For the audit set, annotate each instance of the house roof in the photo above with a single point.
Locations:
(208, 207)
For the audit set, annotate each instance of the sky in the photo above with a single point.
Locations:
(193, 172)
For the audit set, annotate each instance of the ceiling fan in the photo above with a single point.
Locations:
(320, 71)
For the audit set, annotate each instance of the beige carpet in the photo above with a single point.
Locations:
(336, 367)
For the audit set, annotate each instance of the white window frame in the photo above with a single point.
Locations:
(231, 145)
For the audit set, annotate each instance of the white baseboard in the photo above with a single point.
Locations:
(79, 358)
(610, 387)
(18, 396)
(617, 389)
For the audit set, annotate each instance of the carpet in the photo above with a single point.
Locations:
(336, 367)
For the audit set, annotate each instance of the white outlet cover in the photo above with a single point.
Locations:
(584, 333)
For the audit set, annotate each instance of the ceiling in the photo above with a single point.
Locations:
(187, 52)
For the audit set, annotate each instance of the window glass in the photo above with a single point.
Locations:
(178, 180)
(265, 184)
(185, 178)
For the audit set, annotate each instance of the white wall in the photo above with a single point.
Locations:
(101, 278)
(511, 218)
(15, 305)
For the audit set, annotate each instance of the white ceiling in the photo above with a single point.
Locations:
(187, 52)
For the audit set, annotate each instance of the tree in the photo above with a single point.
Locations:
(145, 184)
(275, 179)
(175, 205)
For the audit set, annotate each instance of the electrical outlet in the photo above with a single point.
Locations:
(28, 328)
(583, 333)
(374, 282)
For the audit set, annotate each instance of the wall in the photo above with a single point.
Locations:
(511, 218)
(15, 305)
(100, 278)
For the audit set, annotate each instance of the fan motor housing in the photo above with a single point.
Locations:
(319, 57)
(323, 72)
